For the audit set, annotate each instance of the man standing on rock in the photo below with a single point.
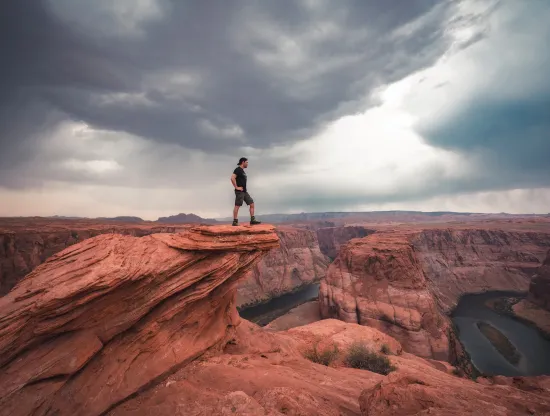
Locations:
(238, 179)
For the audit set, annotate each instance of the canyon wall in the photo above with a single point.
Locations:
(405, 282)
(539, 288)
(459, 261)
(297, 262)
(377, 281)
(535, 309)
(331, 238)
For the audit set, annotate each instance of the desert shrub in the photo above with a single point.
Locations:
(359, 356)
(325, 356)
(385, 349)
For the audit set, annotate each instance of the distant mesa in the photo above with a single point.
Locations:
(185, 219)
(384, 216)
(172, 219)
(122, 219)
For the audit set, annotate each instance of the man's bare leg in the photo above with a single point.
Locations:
(253, 219)
(235, 214)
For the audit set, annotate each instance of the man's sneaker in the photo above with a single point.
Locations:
(254, 221)
(235, 223)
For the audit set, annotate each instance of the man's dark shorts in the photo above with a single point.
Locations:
(241, 197)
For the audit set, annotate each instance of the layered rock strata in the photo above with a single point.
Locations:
(27, 243)
(459, 261)
(103, 319)
(296, 263)
(539, 288)
(377, 281)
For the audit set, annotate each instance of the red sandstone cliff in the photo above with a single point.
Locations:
(377, 281)
(297, 262)
(26, 243)
(102, 319)
(539, 289)
(403, 282)
(459, 261)
(121, 325)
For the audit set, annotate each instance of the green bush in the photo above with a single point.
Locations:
(325, 357)
(385, 349)
(359, 356)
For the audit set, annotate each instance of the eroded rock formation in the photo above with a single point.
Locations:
(27, 243)
(297, 262)
(378, 281)
(103, 319)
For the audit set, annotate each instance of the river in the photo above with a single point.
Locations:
(534, 350)
(264, 313)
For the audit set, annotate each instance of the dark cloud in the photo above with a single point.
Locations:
(205, 75)
(218, 76)
(505, 122)
(513, 135)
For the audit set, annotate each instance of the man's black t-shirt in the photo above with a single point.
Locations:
(241, 178)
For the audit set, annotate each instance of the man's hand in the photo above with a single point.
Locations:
(234, 182)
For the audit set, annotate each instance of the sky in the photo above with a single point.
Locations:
(143, 107)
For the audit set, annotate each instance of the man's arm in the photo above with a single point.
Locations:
(234, 182)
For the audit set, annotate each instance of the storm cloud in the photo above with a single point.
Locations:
(166, 95)
(205, 75)
(502, 110)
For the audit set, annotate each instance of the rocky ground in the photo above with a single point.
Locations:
(125, 325)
